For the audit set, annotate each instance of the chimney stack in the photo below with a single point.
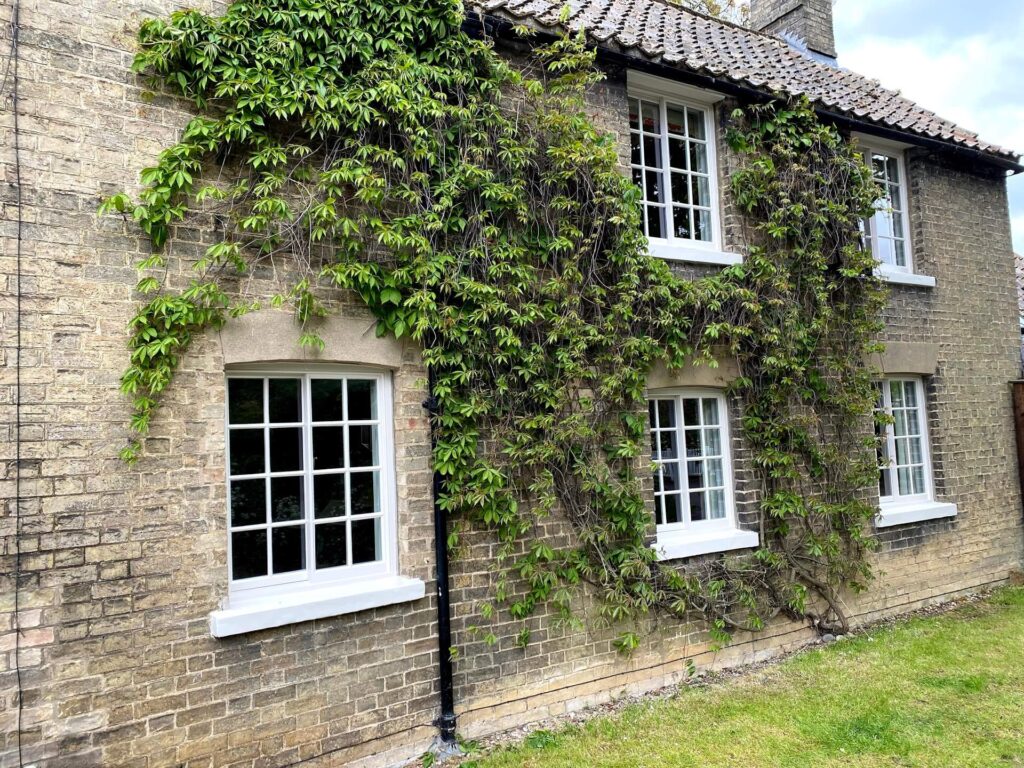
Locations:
(809, 20)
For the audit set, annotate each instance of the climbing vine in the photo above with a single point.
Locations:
(378, 148)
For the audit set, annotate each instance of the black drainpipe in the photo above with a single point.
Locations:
(446, 721)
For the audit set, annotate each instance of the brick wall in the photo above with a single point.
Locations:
(810, 20)
(121, 566)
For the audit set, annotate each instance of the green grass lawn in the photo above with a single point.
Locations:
(940, 692)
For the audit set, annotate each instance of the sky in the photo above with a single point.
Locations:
(964, 61)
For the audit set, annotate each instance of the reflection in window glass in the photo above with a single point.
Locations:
(692, 488)
(669, 159)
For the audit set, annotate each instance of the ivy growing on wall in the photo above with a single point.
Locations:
(377, 148)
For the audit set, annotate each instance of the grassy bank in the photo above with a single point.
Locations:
(941, 691)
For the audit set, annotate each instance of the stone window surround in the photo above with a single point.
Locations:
(913, 360)
(644, 85)
(263, 339)
(889, 273)
(703, 379)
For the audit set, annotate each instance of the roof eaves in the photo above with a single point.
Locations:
(608, 30)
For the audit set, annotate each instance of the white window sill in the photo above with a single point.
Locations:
(903, 514)
(306, 604)
(905, 278)
(679, 544)
(676, 252)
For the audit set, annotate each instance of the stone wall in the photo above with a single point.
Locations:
(121, 566)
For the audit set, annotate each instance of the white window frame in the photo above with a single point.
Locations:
(275, 600)
(686, 538)
(909, 508)
(662, 91)
(893, 273)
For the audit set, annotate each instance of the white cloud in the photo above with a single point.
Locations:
(853, 13)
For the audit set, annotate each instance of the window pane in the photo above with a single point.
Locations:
(329, 496)
(716, 477)
(896, 393)
(884, 250)
(695, 475)
(284, 401)
(900, 253)
(919, 486)
(366, 541)
(654, 191)
(710, 410)
(680, 189)
(701, 191)
(286, 449)
(713, 442)
(285, 500)
(655, 221)
(702, 226)
(328, 447)
(248, 554)
(883, 224)
(698, 157)
(697, 124)
(681, 223)
(245, 401)
(893, 169)
(903, 475)
(246, 449)
(899, 424)
(910, 394)
(697, 511)
(330, 545)
(362, 400)
(289, 551)
(362, 446)
(326, 399)
(716, 505)
(677, 153)
(248, 502)
(666, 413)
(691, 412)
(884, 482)
(916, 455)
(668, 443)
(880, 166)
(693, 445)
(634, 149)
(634, 115)
(673, 509)
(670, 476)
(676, 119)
(365, 493)
(652, 121)
(901, 452)
(652, 152)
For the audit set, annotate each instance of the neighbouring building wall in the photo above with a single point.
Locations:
(121, 566)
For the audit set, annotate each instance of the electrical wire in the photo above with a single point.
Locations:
(12, 70)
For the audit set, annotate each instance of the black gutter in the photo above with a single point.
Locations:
(499, 28)
(446, 720)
